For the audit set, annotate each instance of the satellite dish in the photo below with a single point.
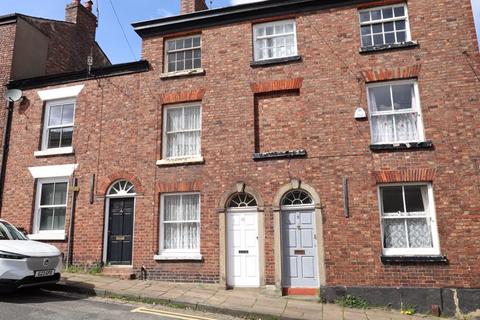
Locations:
(13, 95)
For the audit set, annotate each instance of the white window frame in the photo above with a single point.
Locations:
(416, 108)
(408, 36)
(274, 23)
(166, 52)
(429, 213)
(165, 133)
(173, 254)
(50, 234)
(46, 127)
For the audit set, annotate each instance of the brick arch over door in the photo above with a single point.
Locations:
(296, 184)
(222, 216)
(106, 182)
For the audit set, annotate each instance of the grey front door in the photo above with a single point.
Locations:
(299, 249)
(120, 231)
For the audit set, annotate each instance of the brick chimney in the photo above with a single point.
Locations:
(82, 16)
(189, 6)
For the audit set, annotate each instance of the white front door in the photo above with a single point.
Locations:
(242, 248)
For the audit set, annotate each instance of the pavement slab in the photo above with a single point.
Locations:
(239, 301)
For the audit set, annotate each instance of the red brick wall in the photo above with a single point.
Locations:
(118, 129)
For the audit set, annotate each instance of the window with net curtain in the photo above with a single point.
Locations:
(180, 221)
(275, 40)
(395, 113)
(182, 133)
(408, 220)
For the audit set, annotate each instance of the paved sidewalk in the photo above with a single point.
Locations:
(213, 298)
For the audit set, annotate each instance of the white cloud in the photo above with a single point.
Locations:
(235, 2)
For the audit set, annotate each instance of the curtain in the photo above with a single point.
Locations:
(394, 233)
(181, 226)
(183, 132)
(383, 130)
(406, 127)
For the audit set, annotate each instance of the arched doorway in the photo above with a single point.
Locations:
(299, 241)
(119, 223)
(242, 228)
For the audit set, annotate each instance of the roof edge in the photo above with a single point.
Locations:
(232, 14)
(9, 18)
(82, 75)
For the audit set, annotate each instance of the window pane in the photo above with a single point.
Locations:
(390, 37)
(60, 193)
(46, 219)
(172, 208)
(170, 45)
(366, 30)
(178, 44)
(400, 25)
(399, 11)
(171, 66)
(196, 41)
(419, 233)
(406, 127)
(197, 63)
(197, 53)
(67, 115)
(174, 145)
(394, 233)
(365, 16)
(188, 43)
(67, 135)
(402, 96)
(182, 236)
(387, 13)
(192, 118)
(55, 116)
(378, 39)
(289, 27)
(383, 130)
(401, 36)
(47, 194)
(269, 30)
(191, 146)
(380, 99)
(54, 138)
(376, 14)
(279, 29)
(367, 41)
(388, 26)
(392, 199)
(414, 199)
(377, 28)
(174, 119)
(260, 32)
(191, 207)
(59, 219)
(189, 64)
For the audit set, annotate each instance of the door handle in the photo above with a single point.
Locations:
(243, 251)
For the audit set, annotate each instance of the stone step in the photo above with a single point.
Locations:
(119, 272)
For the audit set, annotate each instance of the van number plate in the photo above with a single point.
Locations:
(44, 273)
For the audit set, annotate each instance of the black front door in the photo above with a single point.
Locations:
(120, 231)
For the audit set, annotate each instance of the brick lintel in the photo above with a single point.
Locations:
(407, 72)
(277, 85)
(183, 96)
(407, 175)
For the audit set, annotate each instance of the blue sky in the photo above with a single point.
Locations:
(109, 33)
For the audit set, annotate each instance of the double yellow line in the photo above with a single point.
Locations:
(168, 314)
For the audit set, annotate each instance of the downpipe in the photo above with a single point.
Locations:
(75, 189)
(5, 148)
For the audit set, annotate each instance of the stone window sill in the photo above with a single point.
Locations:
(183, 73)
(181, 161)
(54, 152)
(53, 236)
(178, 256)
(301, 153)
(263, 63)
(393, 46)
(403, 146)
(413, 259)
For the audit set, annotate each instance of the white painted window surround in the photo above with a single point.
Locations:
(275, 40)
(60, 93)
(64, 170)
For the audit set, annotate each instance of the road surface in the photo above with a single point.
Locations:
(39, 304)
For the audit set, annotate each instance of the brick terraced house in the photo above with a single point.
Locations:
(298, 146)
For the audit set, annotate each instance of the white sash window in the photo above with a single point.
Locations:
(275, 40)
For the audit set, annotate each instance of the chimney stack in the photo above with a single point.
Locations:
(190, 6)
(82, 16)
